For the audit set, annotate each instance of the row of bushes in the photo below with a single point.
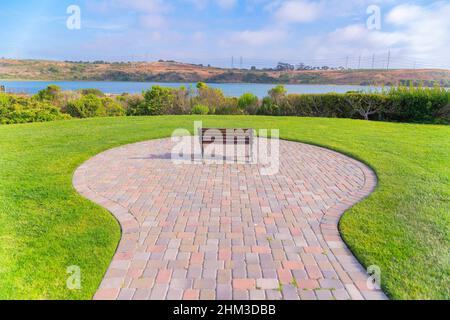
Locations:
(15, 109)
(404, 104)
(401, 104)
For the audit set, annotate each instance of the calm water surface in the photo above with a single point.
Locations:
(230, 89)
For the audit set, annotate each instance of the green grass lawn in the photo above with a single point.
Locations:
(45, 226)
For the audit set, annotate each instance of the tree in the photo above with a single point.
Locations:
(157, 101)
(367, 104)
(201, 85)
(210, 97)
(278, 94)
(301, 66)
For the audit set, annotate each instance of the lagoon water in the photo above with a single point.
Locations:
(230, 89)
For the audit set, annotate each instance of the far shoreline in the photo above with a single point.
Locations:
(207, 82)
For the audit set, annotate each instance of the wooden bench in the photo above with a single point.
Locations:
(226, 137)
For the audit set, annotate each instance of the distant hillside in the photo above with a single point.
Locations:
(182, 72)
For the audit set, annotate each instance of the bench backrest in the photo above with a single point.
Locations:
(227, 136)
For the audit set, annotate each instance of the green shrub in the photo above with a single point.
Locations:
(278, 94)
(131, 103)
(95, 92)
(4, 101)
(200, 109)
(268, 108)
(210, 97)
(181, 102)
(201, 85)
(367, 105)
(406, 104)
(331, 105)
(64, 98)
(248, 103)
(50, 94)
(14, 109)
(417, 104)
(229, 106)
(112, 107)
(276, 103)
(157, 101)
(443, 115)
(88, 106)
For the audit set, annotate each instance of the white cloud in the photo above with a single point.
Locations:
(199, 36)
(404, 14)
(330, 30)
(258, 37)
(226, 4)
(359, 36)
(426, 30)
(152, 21)
(414, 32)
(144, 6)
(152, 13)
(203, 4)
(199, 4)
(298, 11)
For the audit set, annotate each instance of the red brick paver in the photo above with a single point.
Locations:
(209, 231)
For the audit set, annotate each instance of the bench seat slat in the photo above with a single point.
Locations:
(236, 137)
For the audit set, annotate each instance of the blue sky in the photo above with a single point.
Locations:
(262, 32)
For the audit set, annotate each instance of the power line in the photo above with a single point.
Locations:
(374, 60)
(389, 60)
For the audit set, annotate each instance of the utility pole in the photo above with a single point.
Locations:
(241, 62)
(373, 61)
(389, 59)
(232, 62)
(359, 63)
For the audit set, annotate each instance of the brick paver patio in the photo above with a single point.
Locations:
(225, 231)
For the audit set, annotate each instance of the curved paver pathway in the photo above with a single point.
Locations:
(207, 231)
